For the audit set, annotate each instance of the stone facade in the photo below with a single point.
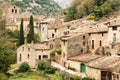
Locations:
(32, 53)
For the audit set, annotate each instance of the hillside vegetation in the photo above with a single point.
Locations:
(38, 7)
(95, 8)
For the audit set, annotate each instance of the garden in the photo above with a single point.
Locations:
(44, 71)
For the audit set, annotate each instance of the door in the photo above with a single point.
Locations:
(83, 68)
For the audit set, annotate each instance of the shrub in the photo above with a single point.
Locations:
(48, 69)
(87, 78)
(43, 65)
(3, 77)
(24, 67)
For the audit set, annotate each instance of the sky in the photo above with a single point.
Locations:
(63, 3)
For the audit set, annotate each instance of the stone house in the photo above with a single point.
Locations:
(32, 53)
(96, 66)
(73, 45)
(104, 68)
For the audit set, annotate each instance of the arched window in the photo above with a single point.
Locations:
(82, 68)
(28, 56)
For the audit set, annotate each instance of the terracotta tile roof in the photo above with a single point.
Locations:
(111, 63)
(85, 57)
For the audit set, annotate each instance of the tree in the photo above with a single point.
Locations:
(6, 57)
(24, 67)
(30, 36)
(21, 40)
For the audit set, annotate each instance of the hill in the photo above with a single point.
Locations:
(96, 9)
(38, 7)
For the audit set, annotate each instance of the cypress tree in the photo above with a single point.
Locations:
(30, 36)
(21, 40)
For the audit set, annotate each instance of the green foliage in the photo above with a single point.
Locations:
(30, 36)
(43, 7)
(7, 57)
(36, 38)
(99, 8)
(21, 40)
(3, 77)
(87, 78)
(46, 67)
(43, 65)
(71, 15)
(75, 78)
(24, 67)
(55, 52)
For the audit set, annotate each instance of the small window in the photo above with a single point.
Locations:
(89, 34)
(15, 10)
(14, 6)
(28, 49)
(42, 29)
(28, 56)
(51, 46)
(114, 28)
(39, 57)
(53, 35)
(23, 48)
(68, 27)
(83, 37)
(83, 43)
(64, 42)
(102, 34)
(55, 30)
(45, 56)
(20, 57)
(12, 10)
(100, 43)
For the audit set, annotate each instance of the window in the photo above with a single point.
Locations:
(68, 27)
(83, 43)
(15, 10)
(12, 10)
(89, 34)
(28, 56)
(53, 35)
(92, 44)
(28, 49)
(114, 37)
(39, 57)
(51, 46)
(114, 28)
(100, 43)
(20, 57)
(102, 34)
(64, 42)
(23, 48)
(55, 30)
(83, 37)
(45, 56)
(83, 68)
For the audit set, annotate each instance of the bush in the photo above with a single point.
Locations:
(87, 78)
(3, 77)
(43, 65)
(48, 69)
(24, 67)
